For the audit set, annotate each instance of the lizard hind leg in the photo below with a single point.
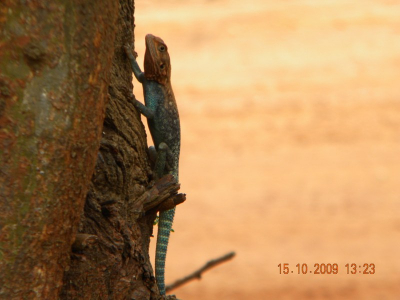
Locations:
(160, 159)
(153, 156)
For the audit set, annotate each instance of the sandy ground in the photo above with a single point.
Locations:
(290, 116)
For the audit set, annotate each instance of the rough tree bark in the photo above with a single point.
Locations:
(63, 174)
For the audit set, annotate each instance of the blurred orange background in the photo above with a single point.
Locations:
(290, 115)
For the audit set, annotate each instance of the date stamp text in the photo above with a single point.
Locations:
(329, 268)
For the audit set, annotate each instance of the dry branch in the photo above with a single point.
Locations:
(197, 274)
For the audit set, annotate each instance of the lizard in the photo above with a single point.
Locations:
(162, 115)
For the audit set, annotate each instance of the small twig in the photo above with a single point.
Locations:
(197, 274)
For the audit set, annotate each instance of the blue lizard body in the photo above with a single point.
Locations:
(163, 119)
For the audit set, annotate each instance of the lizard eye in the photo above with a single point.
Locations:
(161, 48)
(162, 66)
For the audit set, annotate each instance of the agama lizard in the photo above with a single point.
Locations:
(161, 112)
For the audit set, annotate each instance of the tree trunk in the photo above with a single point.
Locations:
(63, 71)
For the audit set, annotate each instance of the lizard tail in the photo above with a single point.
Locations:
(164, 230)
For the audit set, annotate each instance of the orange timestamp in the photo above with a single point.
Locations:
(353, 268)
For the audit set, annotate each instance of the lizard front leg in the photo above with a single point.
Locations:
(143, 109)
(135, 67)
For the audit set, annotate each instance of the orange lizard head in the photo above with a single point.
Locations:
(157, 64)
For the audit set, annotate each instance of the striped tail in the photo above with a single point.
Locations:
(164, 230)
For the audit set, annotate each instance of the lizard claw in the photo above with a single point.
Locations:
(128, 51)
(127, 48)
